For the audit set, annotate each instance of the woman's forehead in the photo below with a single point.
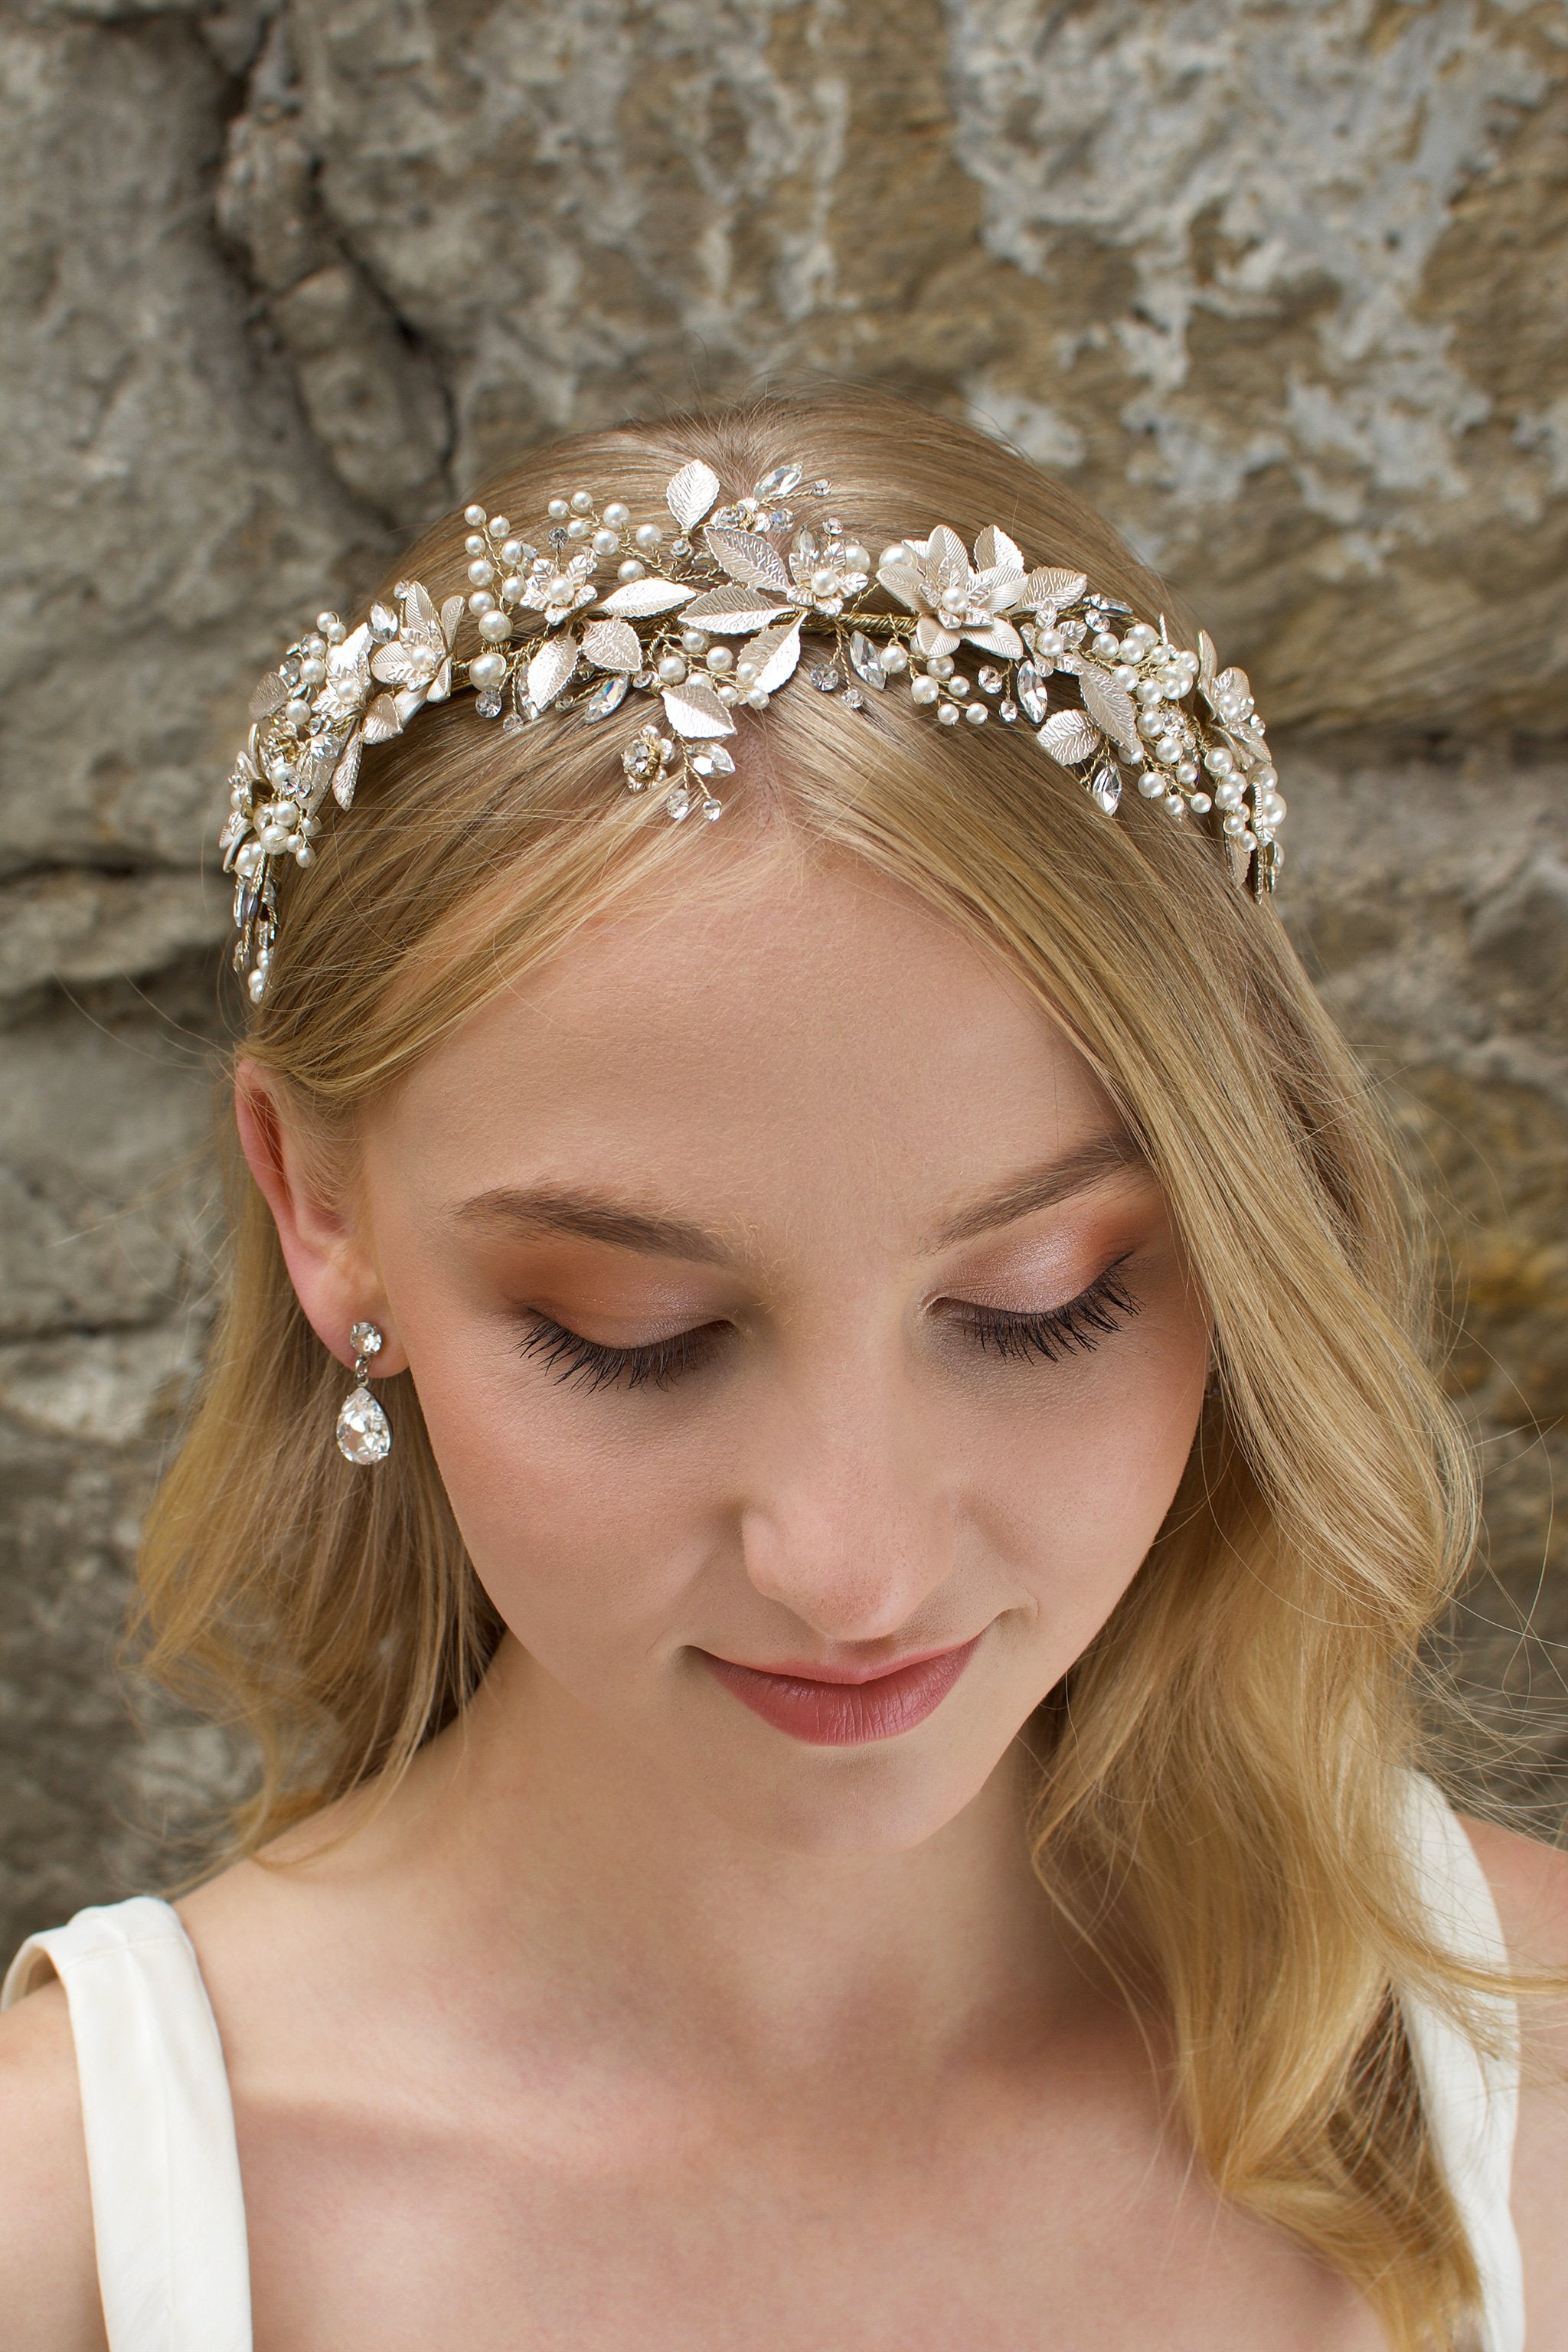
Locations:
(807, 1019)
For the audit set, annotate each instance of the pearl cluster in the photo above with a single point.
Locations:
(703, 613)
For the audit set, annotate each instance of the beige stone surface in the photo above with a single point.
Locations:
(1283, 288)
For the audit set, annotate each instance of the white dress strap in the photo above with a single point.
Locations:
(168, 2211)
(1469, 2095)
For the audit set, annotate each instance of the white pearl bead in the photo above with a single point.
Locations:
(746, 672)
(582, 502)
(473, 514)
(487, 669)
(617, 516)
(481, 573)
(495, 628)
(941, 666)
(250, 860)
(578, 528)
(326, 623)
(949, 714)
(631, 568)
(1105, 647)
(476, 543)
(695, 641)
(512, 587)
(672, 668)
(856, 557)
(1168, 749)
(558, 509)
(976, 714)
(1186, 771)
(894, 660)
(720, 658)
(1229, 795)
(481, 601)
(606, 542)
(924, 688)
(1149, 691)
(311, 673)
(1200, 804)
(1219, 760)
(1151, 786)
(1126, 677)
(499, 526)
(647, 536)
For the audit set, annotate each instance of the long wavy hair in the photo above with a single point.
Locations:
(1226, 1757)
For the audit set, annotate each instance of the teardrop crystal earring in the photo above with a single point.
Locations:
(364, 1433)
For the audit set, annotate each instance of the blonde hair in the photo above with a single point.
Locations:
(1253, 1699)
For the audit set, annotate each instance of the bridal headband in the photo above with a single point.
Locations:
(709, 622)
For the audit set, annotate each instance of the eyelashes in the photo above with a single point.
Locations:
(657, 1363)
(1076, 1328)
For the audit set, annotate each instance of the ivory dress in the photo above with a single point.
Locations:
(168, 2207)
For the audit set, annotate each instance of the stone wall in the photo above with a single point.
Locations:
(1285, 289)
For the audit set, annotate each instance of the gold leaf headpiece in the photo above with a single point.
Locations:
(709, 623)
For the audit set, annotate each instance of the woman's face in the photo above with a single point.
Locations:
(782, 1296)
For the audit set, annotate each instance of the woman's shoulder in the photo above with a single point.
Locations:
(49, 2278)
(1529, 1880)
(1530, 1886)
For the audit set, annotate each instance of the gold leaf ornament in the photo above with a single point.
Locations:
(694, 710)
(747, 558)
(270, 695)
(639, 598)
(730, 612)
(1110, 707)
(1072, 738)
(774, 655)
(692, 493)
(612, 644)
(551, 667)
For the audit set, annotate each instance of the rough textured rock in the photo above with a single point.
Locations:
(1284, 288)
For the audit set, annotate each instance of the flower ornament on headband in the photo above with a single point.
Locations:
(709, 624)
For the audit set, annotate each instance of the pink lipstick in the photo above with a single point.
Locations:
(838, 1710)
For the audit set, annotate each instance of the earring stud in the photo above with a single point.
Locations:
(364, 1433)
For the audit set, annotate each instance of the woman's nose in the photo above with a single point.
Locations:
(849, 1518)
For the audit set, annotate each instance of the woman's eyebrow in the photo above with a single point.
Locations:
(586, 1216)
(1040, 1188)
(544, 1209)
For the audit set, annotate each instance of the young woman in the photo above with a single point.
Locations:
(836, 1701)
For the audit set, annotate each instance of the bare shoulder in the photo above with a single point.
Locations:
(49, 2279)
(1530, 1883)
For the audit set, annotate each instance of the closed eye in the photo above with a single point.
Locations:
(1076, 1328)
(654, 1363)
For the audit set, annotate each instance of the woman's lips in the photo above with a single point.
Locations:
(840, 1714)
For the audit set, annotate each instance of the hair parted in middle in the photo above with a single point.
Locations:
(1225, 1753)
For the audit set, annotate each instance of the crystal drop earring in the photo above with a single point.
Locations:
(364, 1433)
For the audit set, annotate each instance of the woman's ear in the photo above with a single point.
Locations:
(334, 1275)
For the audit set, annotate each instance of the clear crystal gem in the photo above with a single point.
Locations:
(990, 681)
(679, 803)
(364, 1433)
(514, 723)
(1031, 693)
(854, 698)
(825, 678)
(1007, 711)
(607, 695)
(488, 704)
(712, 808)
(711, 760)
(365, 1339)
(867, 661)
(778, 482)
(1105, 786)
